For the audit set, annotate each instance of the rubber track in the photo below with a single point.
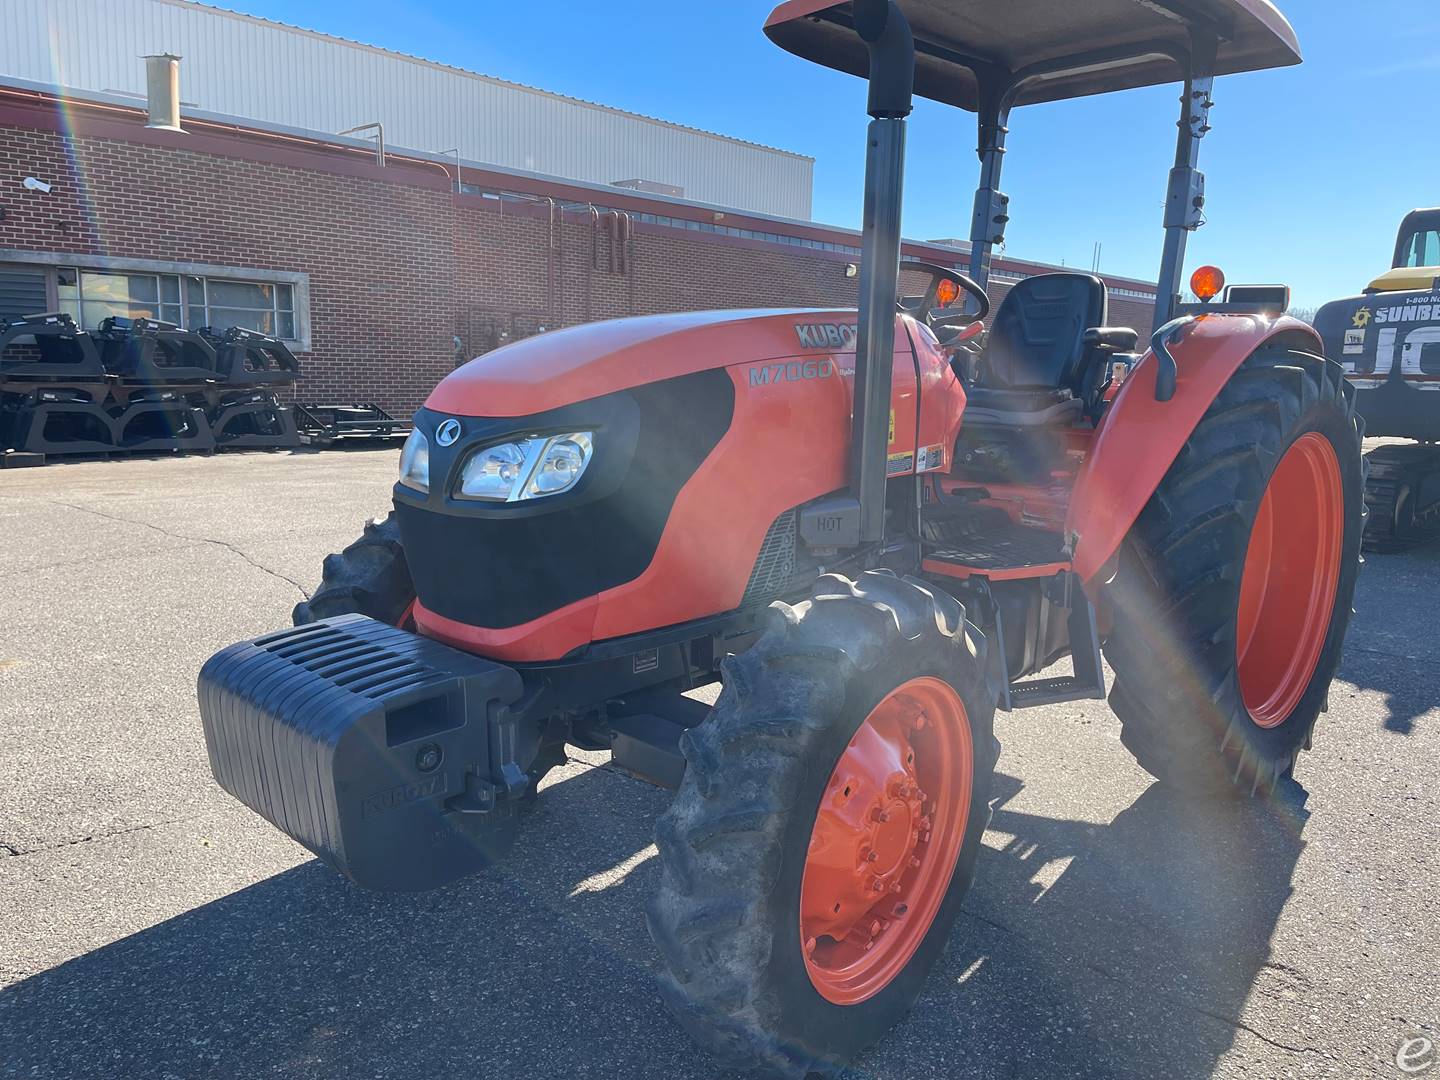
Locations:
(1391, 469)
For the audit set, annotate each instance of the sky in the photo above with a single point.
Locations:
(1309, 169)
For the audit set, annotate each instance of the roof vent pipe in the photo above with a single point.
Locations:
(379, 130)
(162, 91)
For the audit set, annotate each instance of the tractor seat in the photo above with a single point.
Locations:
(1037, 367)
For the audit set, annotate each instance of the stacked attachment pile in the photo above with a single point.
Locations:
(139, 385)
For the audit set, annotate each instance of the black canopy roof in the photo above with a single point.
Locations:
(1121, 43)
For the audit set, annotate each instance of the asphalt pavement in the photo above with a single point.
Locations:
(150, 926)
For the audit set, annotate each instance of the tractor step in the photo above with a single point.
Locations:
(1003, 553)
(1031, 693)
(1088, 680)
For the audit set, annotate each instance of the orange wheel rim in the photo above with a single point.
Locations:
(1292, 570)
(885, 841)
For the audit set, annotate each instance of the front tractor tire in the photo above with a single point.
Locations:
(827, 828)
(1234, 589)
(370, 577)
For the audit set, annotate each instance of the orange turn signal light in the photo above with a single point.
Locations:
(946, 293)
(1207, 282)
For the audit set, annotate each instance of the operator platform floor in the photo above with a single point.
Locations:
(152, 927)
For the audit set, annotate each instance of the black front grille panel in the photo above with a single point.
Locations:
(501, 566)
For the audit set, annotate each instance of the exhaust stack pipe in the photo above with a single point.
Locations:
(162, 91)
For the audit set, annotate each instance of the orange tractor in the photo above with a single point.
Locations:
(872, 531)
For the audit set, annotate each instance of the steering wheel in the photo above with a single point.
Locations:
(944, 290)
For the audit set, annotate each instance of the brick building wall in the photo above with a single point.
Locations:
(399, 266)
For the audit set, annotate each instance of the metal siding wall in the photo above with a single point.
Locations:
(269, 73)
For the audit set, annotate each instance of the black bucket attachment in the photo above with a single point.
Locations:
(244, 357)
(55, 420)
(166, 423)
(370, 745)
(254, 420)
(150, 351)
(48, 347)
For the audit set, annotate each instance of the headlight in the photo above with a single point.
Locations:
(561, 463)
(527, 469)
(415, 462)
(495, 472)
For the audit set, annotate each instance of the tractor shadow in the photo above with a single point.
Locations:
(1391, 648)
(1119, 950)
(542, 967)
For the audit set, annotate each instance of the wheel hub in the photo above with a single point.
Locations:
(874, 871)
(1292, 571)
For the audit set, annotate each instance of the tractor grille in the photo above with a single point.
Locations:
(774, 570)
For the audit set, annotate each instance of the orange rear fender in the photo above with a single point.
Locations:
(1139, 438)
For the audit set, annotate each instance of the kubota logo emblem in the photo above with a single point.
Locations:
(448, 432)
(839, 336)
(394, 798)
(791, 371)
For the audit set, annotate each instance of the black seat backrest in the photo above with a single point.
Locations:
(1036, 341)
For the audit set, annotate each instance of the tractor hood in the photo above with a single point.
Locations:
(1406, 279)
(584, 362)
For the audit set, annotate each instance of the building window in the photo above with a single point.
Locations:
(266, 307)
(91, 296)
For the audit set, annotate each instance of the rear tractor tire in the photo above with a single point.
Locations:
(1235, 587)
(827, 828)
(370, 577)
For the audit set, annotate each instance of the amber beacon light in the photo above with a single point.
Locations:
(1207, 282)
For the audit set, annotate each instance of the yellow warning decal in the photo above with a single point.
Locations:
(896, 464)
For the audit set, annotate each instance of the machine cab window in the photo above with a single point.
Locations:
(1423, 249)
